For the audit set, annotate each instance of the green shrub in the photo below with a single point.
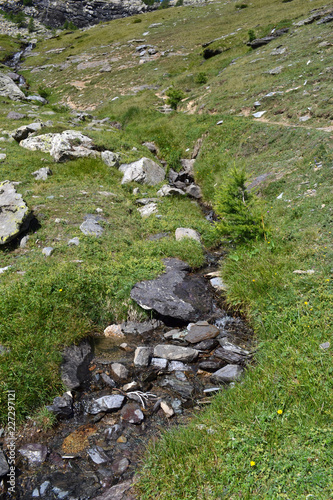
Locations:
(252, 35)
(201, 78)
(179, 3)
(27, 2)
(239, 211)
(174, 97)
(44, 92)
(165, 4)
(31, 25)
(69, 25)
(137, 20)
(239, 6)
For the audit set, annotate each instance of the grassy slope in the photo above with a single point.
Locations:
(291, 314)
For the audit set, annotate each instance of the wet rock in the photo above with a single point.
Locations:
(229, 373)
(24, 131)
(185, 232)
(175, 294)
(106, 404)
(143, 171)
(159, 363)
(8, 88)
(4, 467)
(200, 331)
(210, 365)
(175, 334)
(42, 174)
(97, 455)
(118, 467)
(35, 453)
(62, 406)
(110, 159)
(174, 366)
(120, 371)
(132, 413)
(228, 346)
(181, 387)
(108, 380)
(74, 369)
(113, 432)
(174, 352)
(14, 213)
(116, 492)
(207, 345)
(136, 328)
(142, 356)
(229, 356)
(168, 411)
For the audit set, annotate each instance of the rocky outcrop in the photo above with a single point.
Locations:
(82, 13)
(8, 88)
(143, 171)
(14, 213)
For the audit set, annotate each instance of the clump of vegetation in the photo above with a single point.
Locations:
(179, 3)
(137, 20)
(240, 6)
(69, 25)
(31, 25)
(201, 78)
(44, 91)
(252, 35)
(27, 3)
(174, 97)
(18, 18)
(238, 209)
(165, 4)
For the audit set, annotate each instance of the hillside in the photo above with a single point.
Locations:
(264, 109)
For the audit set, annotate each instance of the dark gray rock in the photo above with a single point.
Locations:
(259, 42)
(120, 371)
(4, 467)
(108, 380)
(142, 356)
(207, 345)
(174, 352)
(202, 330)
(227, 374)
(35, 453)
(118, 467)
(106, 404)
(229, 356)
(136, 328)
(62, 406)
(97, 455)
(116, 492)
(74, 369)
(175, 294)
(132, 413)
(210, 365)
(181, 387)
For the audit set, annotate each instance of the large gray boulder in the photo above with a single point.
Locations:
(175, 294)
(143, 171)
(14, 213)
(8, 88)
(68, 145)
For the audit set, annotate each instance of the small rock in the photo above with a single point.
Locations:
(3, 156)
(181, 387)
(142, 356)
(62, 406)
(228, 346)
(120, 371)
(106, 404)
(276, 71)
(207, 345)
(122, 439)
(132, 413)
(4, 467)
(3, 269)
(113, 432)
(47, 251)
(13, 115)
(74, 368)
(194, 191)
(118, 467)
(167, 190)
(258, 114)
(325, 345)
(228, 373)
(210, 365)
(113, 331)
(169, 411)
(108, 380)
(110, 159)
(35, 453)
(185, 232)
(159, 363)
(97, 455)
(173, 352)
(74, 242)
(151, 146)
(228, 356)
(132, 386)
(219, 122)
(148, 210)
(116, 492)
(24, 241)
(42, 174)
(91, 228)
(304, 118)
(174, 366)
(218, 283)
(201, 331)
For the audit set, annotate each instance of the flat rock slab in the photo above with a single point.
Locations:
(91, 228)
(201, 331)
(175, 294)
(14, 213)
(229, 373)
(175, 352)
(106, 404)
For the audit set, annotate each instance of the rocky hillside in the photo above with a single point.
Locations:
(117, 143)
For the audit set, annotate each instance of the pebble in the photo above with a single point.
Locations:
(169, 411)
(47, 251)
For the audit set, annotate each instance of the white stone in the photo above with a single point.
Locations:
(169, 412)
(185, 232)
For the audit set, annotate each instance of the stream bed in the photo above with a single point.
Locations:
(128, 387)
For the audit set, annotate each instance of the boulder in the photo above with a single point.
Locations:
(175, 294)
(68, 145)
(74, 369)
(186, 232)
(143, 171)
(110, 159)
(8, 88)
(14, 213)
